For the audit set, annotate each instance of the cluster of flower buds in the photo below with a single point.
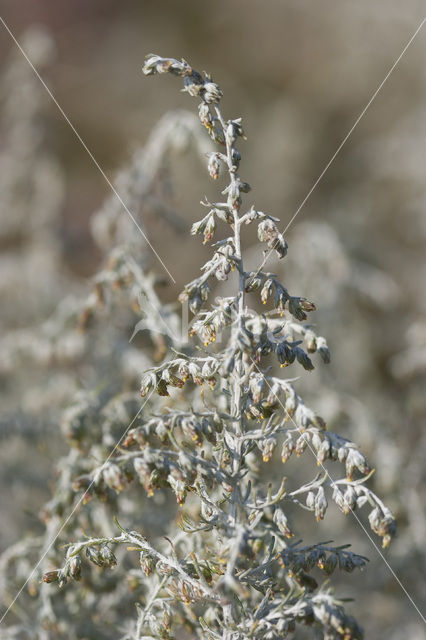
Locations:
(383, 523)
(206, 226)
(295, 408)
(104, 482)
(92, 485)
(210, 323)
(267, 231)
(281, 521)
(215, 159)
(321, 556)
(317, 502)
(238, 564)
(184, 591)
(156, 64)
(333, 618)
(223, 260)
(262, 409)
(346, 500)
(220, 265)
(196, 293)
(196, 86)
(256, 338)
(282, 300)
(194, 83)
(278, 619)
(140, 434)
(210, 122)
(176, 372)
(156, 380)
(101, 555)
(196, 426)
(199, 430)
(267, 393)
(296, 428)
(330, 446)
(159, 468)
(113, 476)
(288, 352)
(155, 471)
(313, 342)
(267, 446)
(355, 495)
(234, 191)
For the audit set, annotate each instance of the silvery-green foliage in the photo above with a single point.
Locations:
(235, 572)
(216, 419)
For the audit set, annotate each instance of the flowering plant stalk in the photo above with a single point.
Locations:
(235, 570)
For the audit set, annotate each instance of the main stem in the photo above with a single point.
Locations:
(238, 375)
(234, 210)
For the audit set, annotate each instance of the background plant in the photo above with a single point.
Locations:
(79, 357)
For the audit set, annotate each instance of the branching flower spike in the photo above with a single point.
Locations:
(221, 444)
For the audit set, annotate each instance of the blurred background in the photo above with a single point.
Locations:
(299, 73)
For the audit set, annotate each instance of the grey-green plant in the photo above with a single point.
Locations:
(218, 428)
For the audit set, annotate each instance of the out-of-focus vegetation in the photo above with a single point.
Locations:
(303, 72)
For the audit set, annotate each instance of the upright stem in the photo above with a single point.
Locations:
(238, 376)
(234, 210)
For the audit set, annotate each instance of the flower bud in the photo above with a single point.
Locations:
(211, 92)
(209, 228)
(301, 443)
(330, 564)
(320, 504)
(75, 567)
(108, 557)
(195, 302)
(310, 500)
(266, 290)
(291, 404)
(114, 477)
(268, 447)
(93, 554)
(287, 449)
(51, 576)
(323, 451)
(304, 359)
(350, 498)
(147, 384)
(147, 563)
